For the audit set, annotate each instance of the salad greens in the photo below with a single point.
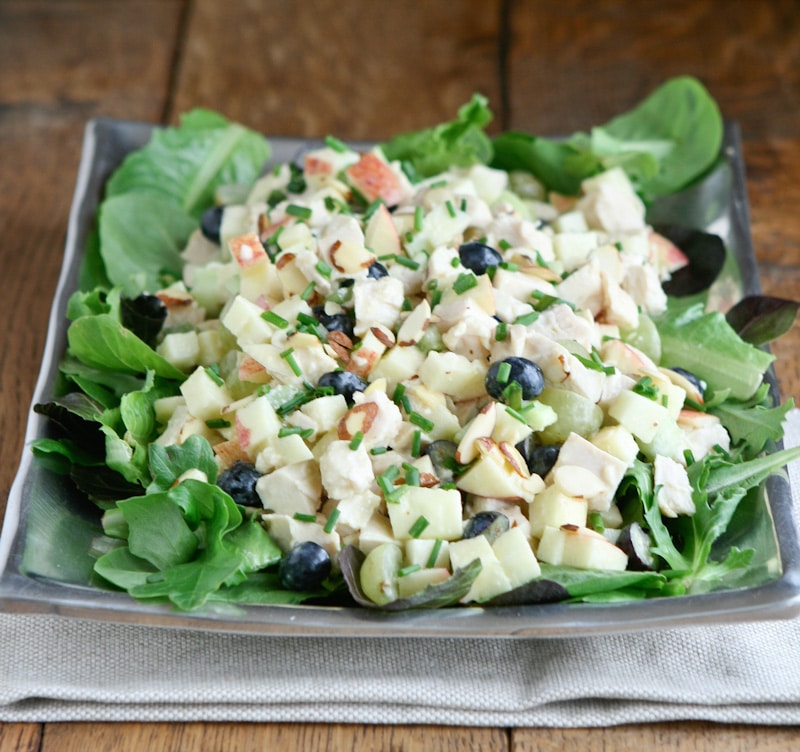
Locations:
(178, 537)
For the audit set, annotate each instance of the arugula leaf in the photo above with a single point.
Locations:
(461, 142)
(754, 422)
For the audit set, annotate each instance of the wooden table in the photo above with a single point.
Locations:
(366, 70)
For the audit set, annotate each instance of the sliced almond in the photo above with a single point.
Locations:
(481, 426)
(515, 459)
(349, 257)
(357, 419)
(413, 328)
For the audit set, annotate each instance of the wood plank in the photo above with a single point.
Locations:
(356, 70)
(236, 737)
(573, 64)
(62, 63)
(672, 737)
(20, 737)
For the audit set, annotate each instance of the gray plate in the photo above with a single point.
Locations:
(48, 529)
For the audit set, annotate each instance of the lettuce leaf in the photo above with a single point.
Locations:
(460, 142)
(170, 182)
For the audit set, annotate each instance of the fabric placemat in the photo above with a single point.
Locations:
(58, 669)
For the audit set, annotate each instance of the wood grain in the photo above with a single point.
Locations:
(244, 737)
(60, 67)
(20, 737)
(683, 737)
(356, 70)
(573, 63)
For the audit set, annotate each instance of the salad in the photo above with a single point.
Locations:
(440, 371)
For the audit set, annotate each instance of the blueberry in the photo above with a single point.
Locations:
(334, 322)
(239, 482)
(442, 453)
(377, 270)
(490, 524)
(211, 222)
(345, 383)
(540, 459)
(144, 315)
(696, 381)
(478, 257)
(520, 370)
(305, 567)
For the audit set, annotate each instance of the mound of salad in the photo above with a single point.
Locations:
(440, 371)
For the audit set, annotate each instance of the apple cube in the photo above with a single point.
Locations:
(641, 416)
(414, 582)
(182, 349)
(256, 424)
(513, 551)
(440, 507)
(575, 546)
(205, 397)
(450, 373)
(419, 551)
(492, 579)
(553, 508)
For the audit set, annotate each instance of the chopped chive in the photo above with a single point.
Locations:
(516, 415)
(273, 239)
(417, 528)
(595, 522)
(379, 450)
(218, 423)
(387, 257)
(274, 198)
(645, 388)
(503, 244)
(504, 372)
(332, 519)
(490, 272)
(416, 443)
(463, 204)
(432, 284)
(419, 213)
(595, 363)
(448, 487)
(618, 245)
(540, 259)
(509, 266)
(212, 372)
(412, 474)
(688, 456)
(527, 318)
(386, 479)
(409, 236)
(309, 291)
(336, 144)
(664, 400)
(464, 282)
(273, 318)
(372, 208)
(406, 305)
(263, 389)
(501, 332)
(436, 298)
(301, 212)
(421, 421)
(455, 261)
(355, 442)
(437, 547)
(300, 517)
(451, 210)
(304, 433)
(410, 569)
(398, 393)
(288, 356)
(292, 404)
(323, 269)
(407, 262)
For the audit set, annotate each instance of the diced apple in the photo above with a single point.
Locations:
(573, 248)
(440, 507)
(326, 412)
(256, 423)
(516, 557)
(414, 582)
(492, 579)
(380, 233)
(509, 428)
(618, 442)
(205, 397)
(580, 547)
(374, 179)
(419, 551)
(286, 531)
(641, 416)
(375, 533)
(450, 373)
(482, 425)
(182, 349)
(243, 319)
(398, 364)
(499, 472)
(553, 508)
(291, 489)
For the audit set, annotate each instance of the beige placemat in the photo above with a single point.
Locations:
(54, 669)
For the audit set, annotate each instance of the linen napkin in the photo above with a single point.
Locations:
(58, 669)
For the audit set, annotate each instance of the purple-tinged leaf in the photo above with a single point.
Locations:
(759, 319)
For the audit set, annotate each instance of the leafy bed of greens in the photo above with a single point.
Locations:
(189, 544)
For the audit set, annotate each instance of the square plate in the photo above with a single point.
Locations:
(47, 533)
